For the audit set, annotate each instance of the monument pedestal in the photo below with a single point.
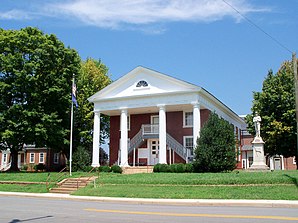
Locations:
(259, 162)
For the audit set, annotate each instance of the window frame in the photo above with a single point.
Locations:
(31, 157)
(56, 158)
(185, 138)
(185, 120)
(41, 158)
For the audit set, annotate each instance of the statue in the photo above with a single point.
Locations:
(259, 161)
(257, 121)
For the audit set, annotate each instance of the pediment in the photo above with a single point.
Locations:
(143, 81)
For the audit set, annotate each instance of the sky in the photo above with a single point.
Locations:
(225, 46)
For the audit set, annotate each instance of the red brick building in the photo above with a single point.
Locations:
(155, 118)
(31, 156)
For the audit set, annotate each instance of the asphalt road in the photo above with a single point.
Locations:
(37, 209)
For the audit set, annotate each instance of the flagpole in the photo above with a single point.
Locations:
(71, 130)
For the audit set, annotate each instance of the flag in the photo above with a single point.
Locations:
(73, 95)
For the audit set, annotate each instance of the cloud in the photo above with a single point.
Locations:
(115, 13)
(15, 14)
(136, 14)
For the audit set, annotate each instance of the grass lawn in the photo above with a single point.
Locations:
(277, 185)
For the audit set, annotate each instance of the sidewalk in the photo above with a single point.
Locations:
(185, 202)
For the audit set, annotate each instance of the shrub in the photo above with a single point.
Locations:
(104, 169)
(215, 151)
(156, 168)
(164, 168)
(180, 168)
(116, 169)
(24, 167)
(189, 168)
(87, 168)
(81, 159)
(39, 167)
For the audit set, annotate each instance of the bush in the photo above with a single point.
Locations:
(81, 160)
(189, 168)
(104, 169)
(215, 151)
(39, 167)
(116, 169)
(173, 168)
(156, 168)
(24, 167)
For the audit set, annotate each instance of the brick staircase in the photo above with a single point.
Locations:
(137, 169)
(67, 186)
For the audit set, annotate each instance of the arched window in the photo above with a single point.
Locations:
(142, 83)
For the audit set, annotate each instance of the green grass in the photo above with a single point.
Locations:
(233, 178)
(273, 192)
(29, 188)
(34, 176)
(277, 185)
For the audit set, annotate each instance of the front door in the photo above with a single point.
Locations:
(154, 150)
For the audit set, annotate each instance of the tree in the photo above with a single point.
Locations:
(215, 151)
(93, 76)
(35, 82)
(276, 106)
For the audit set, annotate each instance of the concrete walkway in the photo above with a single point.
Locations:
(186, 202)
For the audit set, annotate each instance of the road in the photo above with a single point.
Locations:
(36, 209)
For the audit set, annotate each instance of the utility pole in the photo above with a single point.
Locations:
(294, 61)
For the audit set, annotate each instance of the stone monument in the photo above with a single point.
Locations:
(259, 162)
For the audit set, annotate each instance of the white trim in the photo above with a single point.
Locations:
(294, 160)
(4, 158)
(152, 118)
(31, 158)
(189, 149)
(184, 119)
(41, 157)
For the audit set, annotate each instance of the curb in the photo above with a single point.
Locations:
(177, 202)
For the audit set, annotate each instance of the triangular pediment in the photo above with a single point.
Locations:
(143, 81)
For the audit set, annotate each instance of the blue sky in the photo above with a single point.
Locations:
(205, 42)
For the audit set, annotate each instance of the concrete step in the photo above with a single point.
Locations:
(137, 169)
(72, 184)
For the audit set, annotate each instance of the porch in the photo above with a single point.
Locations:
(150, 155)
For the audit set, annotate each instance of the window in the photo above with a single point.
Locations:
(56, 158)
(41, 157)
(188, 144)
(187, 119)
(32, 158)
(4, 158)
(128, 122)
(294, 160)
(142, 83)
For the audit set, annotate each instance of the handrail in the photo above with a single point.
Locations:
(176, 146)
(48, 181)
(135, 141)
(87, 178)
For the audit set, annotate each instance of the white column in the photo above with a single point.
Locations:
(124, 138)
(196, 123)
(96, 138)
(162, 135)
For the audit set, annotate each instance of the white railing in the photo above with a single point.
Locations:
(5, 166)
(150, 129)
